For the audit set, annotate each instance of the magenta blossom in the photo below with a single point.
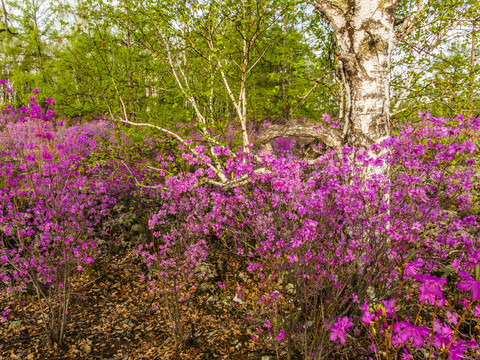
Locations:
(406, 331)
(456, 264)
(280, 336)
(443, 335)
(368, 317)
(431, 289)
(457, 350)
(452, 318)
(413, 268)
(339, 329)
(388, 304)
(469, 284)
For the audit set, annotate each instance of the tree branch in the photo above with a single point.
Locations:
(332, 12)
(403, 32)
(180, 139)
(329, 136)
(302, 99)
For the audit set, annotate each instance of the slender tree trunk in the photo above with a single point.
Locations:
(472, 69)
(5, 17)
(285, 110)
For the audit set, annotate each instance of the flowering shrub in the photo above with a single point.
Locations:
(53, 199)
(332, 236)
(360, 253)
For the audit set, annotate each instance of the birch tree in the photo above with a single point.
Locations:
(367, 32)
(366, 37)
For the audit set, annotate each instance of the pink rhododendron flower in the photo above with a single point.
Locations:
(368, 317)
(443, 335)
(457, 350)
(280, 336)
(456, 264)
(452, 318)
(469, 284)
(388, 305)
(339, 329)
(413, 268)
(431, 289)
(406, 331)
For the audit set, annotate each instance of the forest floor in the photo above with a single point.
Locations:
(114, 317)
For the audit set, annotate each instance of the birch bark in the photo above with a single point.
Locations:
(366, 37)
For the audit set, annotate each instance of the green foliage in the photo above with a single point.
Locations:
(101, 57)
(28, 57)
(115, 61)
(436, 65)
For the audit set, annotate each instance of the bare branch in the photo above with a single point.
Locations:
(197, 51)
(399, 111)
(241, 181)
(403, 32)
(332, 12)
(329, 136)
(180, 139)
(348, 103)
(237, 105)
(5, 15)
(258, 59)
(177, 79)
(406, 86)
(138, 183)
(302, 99)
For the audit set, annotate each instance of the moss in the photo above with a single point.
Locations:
(383, 3)
(372, 46)
(372, 24)
(342, 4)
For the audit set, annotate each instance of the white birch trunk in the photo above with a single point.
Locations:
(365, 36)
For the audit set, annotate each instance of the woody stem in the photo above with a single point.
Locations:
(433, 328)
(458, 325)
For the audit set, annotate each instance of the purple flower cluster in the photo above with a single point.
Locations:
(339, 226)
(52, 202)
